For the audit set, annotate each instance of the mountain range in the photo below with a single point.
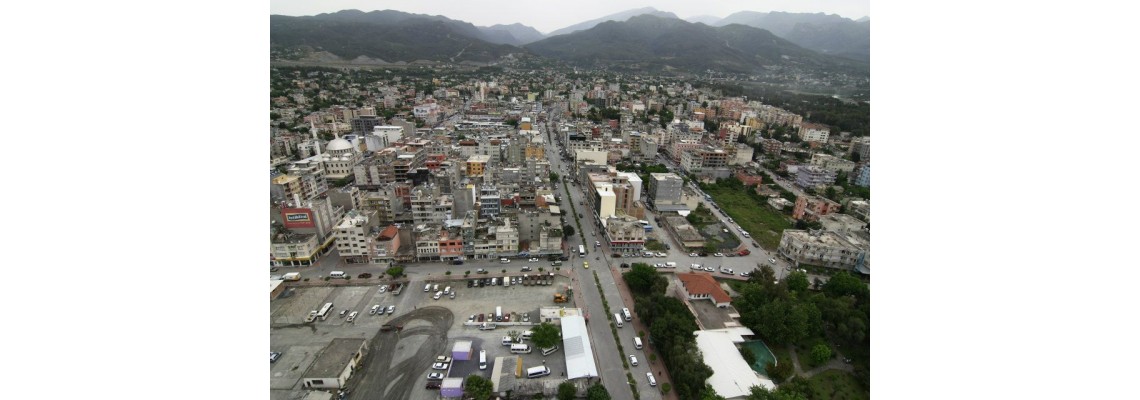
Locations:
(621, 16)
(825, 33)
(675, 43)
(644, 35)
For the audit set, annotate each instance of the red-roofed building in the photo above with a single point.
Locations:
(703, 286)
(385, 244)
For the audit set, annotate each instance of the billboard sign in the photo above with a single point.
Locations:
(298, 218)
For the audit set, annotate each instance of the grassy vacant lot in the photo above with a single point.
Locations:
(837, 385)
(762, 222)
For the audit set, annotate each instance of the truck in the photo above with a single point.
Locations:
(559, 298)
(499, 312)
(292, 276)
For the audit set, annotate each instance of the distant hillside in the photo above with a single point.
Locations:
(513, 34)
(824, 33)
(673, 43)
(704, 19)
(387, 35)
(621, 16)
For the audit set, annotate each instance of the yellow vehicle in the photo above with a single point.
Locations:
(585, 265)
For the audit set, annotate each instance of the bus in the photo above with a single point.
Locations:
(581, 250)
(324, 313)
(646, 225)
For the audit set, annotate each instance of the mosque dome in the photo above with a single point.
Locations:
(338, 144)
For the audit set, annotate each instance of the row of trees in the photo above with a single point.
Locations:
(671, 328)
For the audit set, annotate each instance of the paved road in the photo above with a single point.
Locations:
(608, 356)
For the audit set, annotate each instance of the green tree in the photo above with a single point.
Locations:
(396, 271)
(567, 230)
(797, 281)
(597, 392)
(566, 391)
(553, 177)
(759, 393)
(781, 371)
(640, 278)
(478, 387)
(710, 394)
(545, 335)
(820, 353)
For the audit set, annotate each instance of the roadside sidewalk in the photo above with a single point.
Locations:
(658, 367)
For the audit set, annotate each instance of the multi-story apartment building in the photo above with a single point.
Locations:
(625, 235)
(860, 209)
(825, 249)
(811, 176)
(354, 234)
(814, 133)
(831, 162)
(810, 208)
(742, 155)
(294, 249)
(385, 245)
(696, 160)
(664, 188)
(862, 147)
(477, 164)
(863, 176)
(771, 146)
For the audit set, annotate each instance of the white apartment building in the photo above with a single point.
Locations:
(353, 236)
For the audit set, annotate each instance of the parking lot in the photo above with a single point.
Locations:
(398, 362)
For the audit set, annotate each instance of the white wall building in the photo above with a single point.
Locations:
(335, 364)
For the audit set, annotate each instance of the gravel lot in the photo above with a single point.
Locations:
(398, 362)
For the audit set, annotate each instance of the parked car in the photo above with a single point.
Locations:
(439, 365)
(273, 356)
(457, 262)
(391, 310)
(374, 309)
(692, 254)
(480, 271)
(532, 260)
(525, 269)
(746, 274)
(352, 317)
(343, 313)
(435, 376)
(718, 255)
(432, 385)
(633, 360)
(772, 260)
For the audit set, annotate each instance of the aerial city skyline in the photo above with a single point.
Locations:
(646, 208)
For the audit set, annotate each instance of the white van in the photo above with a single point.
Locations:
(507, 341)
(547, 351)
(521, 349)
(292, 276)
(482, 359)
(625, 312)
(536, 372)
(617, 320)
(526, 335)
(637, 342)
(670, 264)
(338, 275)
(427, 287)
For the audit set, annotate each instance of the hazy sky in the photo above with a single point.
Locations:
(549, 15)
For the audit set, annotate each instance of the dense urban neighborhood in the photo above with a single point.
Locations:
(575, 232)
